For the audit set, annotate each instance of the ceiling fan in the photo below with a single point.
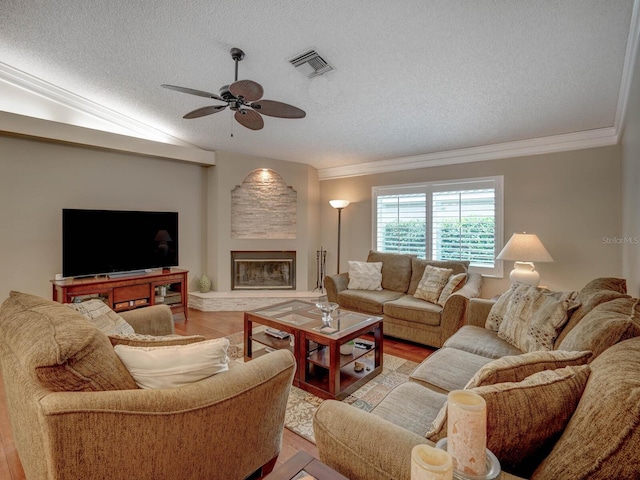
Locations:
(243, 97)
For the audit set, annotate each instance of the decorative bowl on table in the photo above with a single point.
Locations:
(327, 308)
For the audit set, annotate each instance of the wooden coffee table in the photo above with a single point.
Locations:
(304, 466)
(322, 369)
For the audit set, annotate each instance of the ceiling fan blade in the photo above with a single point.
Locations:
(191, 91)
(278, 109)
(248, 89)
(201, 112)
(250, 119)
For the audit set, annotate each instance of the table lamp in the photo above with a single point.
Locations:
(524, 249)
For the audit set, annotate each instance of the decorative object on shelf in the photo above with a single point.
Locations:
(327, 308)
(321, 258)
(493, 465)
(467, 431)
(339, 205)
(204, 283)
(429, 463)
(524, 249)
(162, 291)
(347, 348)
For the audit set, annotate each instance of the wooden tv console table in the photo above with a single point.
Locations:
(168, 287)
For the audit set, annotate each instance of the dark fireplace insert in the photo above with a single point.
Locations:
(263, 270)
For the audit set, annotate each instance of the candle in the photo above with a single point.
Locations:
(467, 431)
(429, 463)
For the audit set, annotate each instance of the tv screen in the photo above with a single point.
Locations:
(96, 242)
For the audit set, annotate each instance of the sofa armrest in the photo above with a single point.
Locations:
(335, 284)
(454, 311)
(363, 446)
(478, 311)
(205, 426)
(153, 320)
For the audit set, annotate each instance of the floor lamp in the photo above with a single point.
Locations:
(339, 205)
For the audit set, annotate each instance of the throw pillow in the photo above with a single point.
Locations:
(365, 275)
(604, 326)
(515, 368)
(498, 310)
(433, 282)
(99, 313)
(138, 340)
(534, 317)
(525, 419)
(455, 283)
(174, 366)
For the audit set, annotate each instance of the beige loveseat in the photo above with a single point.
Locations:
(594, 427)
(404, 315)
(76, 413)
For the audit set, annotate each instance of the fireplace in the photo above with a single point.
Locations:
(260, 270)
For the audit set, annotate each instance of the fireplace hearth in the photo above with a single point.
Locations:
(263, 270)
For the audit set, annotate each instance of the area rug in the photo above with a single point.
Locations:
(302, 405)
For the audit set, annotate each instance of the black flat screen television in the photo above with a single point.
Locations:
(98, 242)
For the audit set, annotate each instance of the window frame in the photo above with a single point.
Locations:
(428, 188)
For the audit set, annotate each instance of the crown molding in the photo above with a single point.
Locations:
(50, 92)
(14, 125)
(537, 146)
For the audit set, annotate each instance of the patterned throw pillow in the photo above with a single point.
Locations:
(525, 419)
(455, 283)
(432, 283)
(168, 367)
(498, 310)
(535, 316)
(99, 313)
(365, 275)
(515, 368)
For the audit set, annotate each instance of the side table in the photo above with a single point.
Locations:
(303, 466)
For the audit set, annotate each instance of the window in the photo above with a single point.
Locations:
(460, 220)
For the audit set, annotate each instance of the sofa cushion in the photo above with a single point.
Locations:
(59, 347)
(412, 309)
(138, 340)
(418, 265)
(448, 369)
(602, 439)
(594, 293)
(455, 283)
(432, 283)
(515, 368)
(365, 275)
(99, 313)
(604, 326)
(176, 365)
(499, 308)
(368, 301)
(535, 316)
(396, 269)
(411, 406)
(525, 419)
(480, 341)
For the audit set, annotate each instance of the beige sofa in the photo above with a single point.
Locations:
(600, 438)
(76, 413)
(404, 315)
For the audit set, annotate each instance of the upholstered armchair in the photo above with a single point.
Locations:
(227, 426)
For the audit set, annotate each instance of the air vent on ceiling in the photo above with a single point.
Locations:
(311, 63)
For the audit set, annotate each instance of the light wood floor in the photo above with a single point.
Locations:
(210, 325)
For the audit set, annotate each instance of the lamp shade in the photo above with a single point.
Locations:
(525, 247)
(339, 203)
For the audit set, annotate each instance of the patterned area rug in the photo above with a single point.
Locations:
(302, 405)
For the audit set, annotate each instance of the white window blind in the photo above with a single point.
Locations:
(457, 220)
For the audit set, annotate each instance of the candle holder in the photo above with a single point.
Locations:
(493, 465)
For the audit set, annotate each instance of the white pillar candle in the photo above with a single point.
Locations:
(429, 463)
(467, 431)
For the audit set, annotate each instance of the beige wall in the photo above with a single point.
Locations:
(571, 200)
(230, 171)
(38, 180)
(631, 188)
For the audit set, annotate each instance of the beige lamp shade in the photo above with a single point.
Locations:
(339, 204)
(524, 249)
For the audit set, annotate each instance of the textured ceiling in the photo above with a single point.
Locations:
(411, 77)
